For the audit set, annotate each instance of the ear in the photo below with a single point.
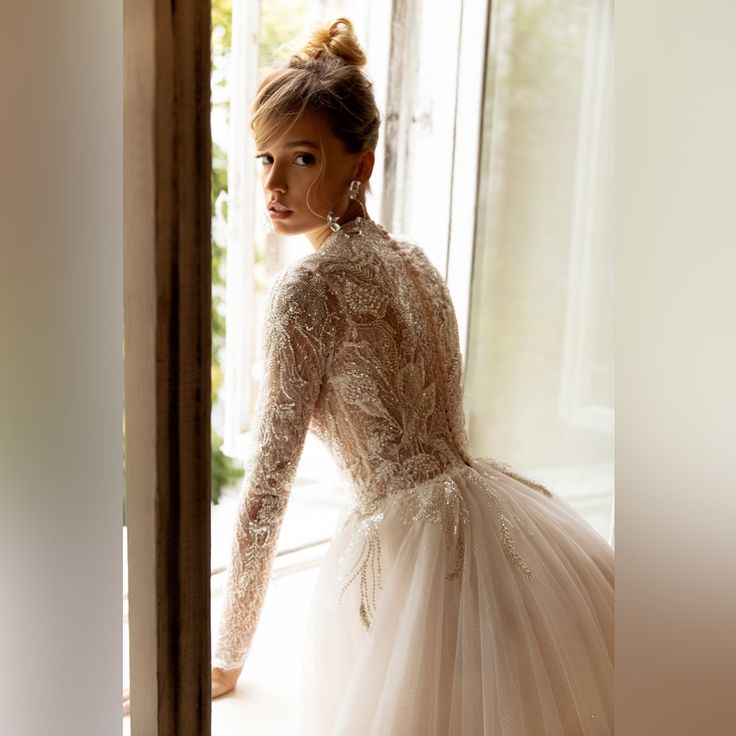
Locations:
(365, 165)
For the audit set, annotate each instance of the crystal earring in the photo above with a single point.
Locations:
(353, 194)
(332, 221)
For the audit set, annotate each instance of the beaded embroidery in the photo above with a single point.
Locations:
(506, 469)
(368, 563)
(360, 344)
(437, 501)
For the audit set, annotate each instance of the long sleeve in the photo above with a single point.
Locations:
(297, 344)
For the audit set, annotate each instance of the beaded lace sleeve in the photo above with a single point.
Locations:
(297, 342)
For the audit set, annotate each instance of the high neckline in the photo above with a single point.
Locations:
(358, 226)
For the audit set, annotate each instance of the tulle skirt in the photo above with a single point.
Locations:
(479, 604)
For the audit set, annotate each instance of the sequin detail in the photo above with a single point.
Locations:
(507, 469)
(297, 341)
(441, 504)
(437, 501)
(367, 568)
(360, 345)
(508, 541)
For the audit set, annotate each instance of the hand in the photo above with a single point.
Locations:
(223, 681)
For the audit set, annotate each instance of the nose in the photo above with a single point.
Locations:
(273, 179)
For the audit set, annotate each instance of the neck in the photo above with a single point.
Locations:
(318, 236)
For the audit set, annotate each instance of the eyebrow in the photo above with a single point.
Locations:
(300, 144)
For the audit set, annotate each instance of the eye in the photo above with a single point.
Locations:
(262, 158)
(306, 157)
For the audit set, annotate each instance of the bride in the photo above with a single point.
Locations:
(458, 597)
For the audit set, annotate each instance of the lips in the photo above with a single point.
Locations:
(278, 207)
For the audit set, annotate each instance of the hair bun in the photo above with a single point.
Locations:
(339, 40)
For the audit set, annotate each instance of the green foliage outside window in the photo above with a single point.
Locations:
(225, 472)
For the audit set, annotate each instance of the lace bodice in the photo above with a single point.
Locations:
(361, 346)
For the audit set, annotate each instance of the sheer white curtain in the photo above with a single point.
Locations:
(539, 380)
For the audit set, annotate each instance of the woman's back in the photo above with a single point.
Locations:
(390, 404)
(458, 597)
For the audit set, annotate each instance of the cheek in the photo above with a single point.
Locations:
(327, 188)
(314, 186)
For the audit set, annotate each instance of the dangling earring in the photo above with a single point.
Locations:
(353, 194)
(332, 221)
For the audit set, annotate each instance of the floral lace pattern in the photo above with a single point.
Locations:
(297, 342)
(361, 346)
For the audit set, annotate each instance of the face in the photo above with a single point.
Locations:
(307, 171)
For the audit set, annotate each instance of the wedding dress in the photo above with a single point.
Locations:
(458, 597)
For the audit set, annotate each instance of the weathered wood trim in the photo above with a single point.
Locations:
(167, 307)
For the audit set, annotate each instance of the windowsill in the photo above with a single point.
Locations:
(267, 699)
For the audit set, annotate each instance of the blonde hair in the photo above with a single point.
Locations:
(325, 78)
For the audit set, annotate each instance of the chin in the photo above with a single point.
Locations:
(284, 227)
(292, 226)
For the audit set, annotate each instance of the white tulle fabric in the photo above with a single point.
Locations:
(458, 598)
(490, 653)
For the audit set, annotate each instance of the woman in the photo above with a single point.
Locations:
(458, 597)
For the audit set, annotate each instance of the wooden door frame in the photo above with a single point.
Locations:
(168, 345)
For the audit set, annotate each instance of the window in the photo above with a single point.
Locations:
(539, 381)
(495, 156)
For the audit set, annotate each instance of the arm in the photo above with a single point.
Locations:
(297, 342)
